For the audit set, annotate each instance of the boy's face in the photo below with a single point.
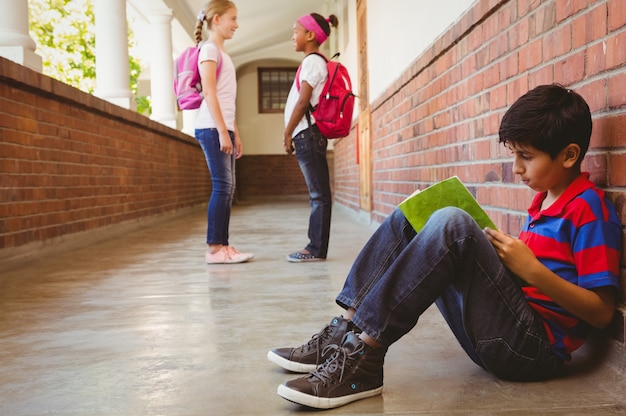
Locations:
(538, 170)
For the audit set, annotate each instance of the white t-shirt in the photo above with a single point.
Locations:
(226, 89)
(313, 71)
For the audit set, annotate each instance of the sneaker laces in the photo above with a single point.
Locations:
(334, 368)
(315, 342)
(232, 251)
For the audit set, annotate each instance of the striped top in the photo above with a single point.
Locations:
(579, 238)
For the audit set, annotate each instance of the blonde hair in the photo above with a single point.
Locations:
(212, 8)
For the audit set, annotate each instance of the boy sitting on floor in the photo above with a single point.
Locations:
(567, 254)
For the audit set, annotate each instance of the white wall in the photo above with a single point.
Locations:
(260, 133)
(343, 38)
(400, 30)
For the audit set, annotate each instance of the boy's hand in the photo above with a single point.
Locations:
(595, 306)
(513, 253)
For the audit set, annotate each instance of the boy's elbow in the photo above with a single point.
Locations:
(601, 323)
(604, 315)
(604, 319)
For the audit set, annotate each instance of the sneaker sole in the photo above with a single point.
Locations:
(294, 260)
(323, 402)
(290, 365)
(228, 261)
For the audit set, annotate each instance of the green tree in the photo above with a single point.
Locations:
(64, 31)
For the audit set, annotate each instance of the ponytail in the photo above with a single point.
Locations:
(325, 23)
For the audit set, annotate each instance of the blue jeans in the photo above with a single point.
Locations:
(222, 168)
(399, 274)
(310, 148)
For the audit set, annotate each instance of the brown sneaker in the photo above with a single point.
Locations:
(307, 357)
(353, 372)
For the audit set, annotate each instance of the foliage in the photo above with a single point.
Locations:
(64, 31)
(144, 105)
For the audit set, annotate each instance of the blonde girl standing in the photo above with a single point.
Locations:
(215, 127)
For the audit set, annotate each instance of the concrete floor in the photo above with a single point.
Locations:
(139, 325)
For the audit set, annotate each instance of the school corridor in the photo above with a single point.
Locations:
(137, 324)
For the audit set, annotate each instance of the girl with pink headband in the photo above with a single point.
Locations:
(303, 136)
(310, 24)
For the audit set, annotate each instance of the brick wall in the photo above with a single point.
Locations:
(274, 175)
(263, 175)
(441, 117)
(70, 162)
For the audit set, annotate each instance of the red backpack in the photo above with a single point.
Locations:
(333, 113)
(187, 82)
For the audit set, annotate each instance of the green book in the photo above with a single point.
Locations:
(451, 192)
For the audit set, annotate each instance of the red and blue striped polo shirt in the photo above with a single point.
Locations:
(579, 238)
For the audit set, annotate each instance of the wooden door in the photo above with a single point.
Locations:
(364, 117)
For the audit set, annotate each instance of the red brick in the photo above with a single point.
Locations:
(617, 14)
(617, 173)
(617, 91)
(541, 76)
(565, 9)
(616, 51)
(530, 55)
(570, 70)
(596, 59)
(589, 26)
(595, 95)
(597, 24)
(557, 43)
(608, 132)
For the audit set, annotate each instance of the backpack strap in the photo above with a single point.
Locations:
(300, 67)
(311, 108)
(219, 61)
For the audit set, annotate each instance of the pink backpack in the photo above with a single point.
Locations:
(333, 113)
(187, 83)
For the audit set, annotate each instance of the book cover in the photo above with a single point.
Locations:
(451, 192)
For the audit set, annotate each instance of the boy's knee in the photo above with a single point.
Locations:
(452, 221)
(451, 214)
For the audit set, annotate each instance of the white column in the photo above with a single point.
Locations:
(112, 63)
(15, 42)
(162, 67)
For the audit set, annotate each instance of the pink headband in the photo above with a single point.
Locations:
(311, 25)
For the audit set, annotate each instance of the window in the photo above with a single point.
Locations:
(274, 86)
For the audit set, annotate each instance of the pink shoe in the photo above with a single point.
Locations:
(225, 256)
(234, 251)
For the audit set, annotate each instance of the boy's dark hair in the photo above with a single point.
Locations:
(548, 118)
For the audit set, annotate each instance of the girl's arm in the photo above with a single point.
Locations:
(208, 76)
(302, 105)
(595, 306)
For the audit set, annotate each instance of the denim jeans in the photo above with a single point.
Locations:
(222, 168)
(310, 148)
(450, 262)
